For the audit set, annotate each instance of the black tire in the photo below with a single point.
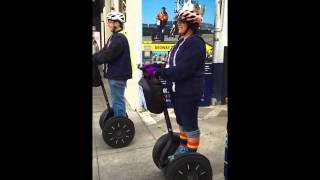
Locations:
(161, 142)
(104, 117)
(118, 132)
(194, 165)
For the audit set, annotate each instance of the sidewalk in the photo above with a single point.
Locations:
(212, 124)
(135, 161)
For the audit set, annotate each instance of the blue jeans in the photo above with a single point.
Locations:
(117, 95)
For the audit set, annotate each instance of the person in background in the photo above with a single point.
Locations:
(162, 19)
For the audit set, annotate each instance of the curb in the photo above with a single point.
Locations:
(151, 124)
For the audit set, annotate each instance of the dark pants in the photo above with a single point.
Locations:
(159, 31)
(186, 110)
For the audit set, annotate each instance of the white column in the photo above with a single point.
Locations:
(222, 35)
(225, 23)
(138, 73)
(133, 30)
(217, 31)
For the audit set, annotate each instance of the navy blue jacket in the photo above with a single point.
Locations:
(116, 58)
(185, 75)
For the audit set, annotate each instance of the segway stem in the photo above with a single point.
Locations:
(170, 132)
(166, 117)
(104, 90)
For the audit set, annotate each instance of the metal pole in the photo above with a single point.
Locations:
(166, 117)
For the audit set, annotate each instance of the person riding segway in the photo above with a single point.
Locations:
(117, 129)
(176, 153)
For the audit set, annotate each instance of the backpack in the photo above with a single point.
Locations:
(152, 90)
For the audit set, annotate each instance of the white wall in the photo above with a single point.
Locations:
(107, 32)
(115, 4)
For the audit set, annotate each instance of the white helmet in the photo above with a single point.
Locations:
(116, 16)
(190, 13)
(189, 6)
(190, 16)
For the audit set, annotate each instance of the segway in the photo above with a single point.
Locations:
(188, 166)
(117, 132)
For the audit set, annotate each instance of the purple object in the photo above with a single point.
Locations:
(150, 69)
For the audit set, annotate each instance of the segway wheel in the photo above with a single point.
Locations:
(191, 166)
(118, 132)
(160, 144)
(104, 117)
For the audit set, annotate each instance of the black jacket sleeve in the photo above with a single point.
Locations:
(109, 54)
(187, 66)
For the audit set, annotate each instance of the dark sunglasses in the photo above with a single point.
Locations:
(181, 22)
